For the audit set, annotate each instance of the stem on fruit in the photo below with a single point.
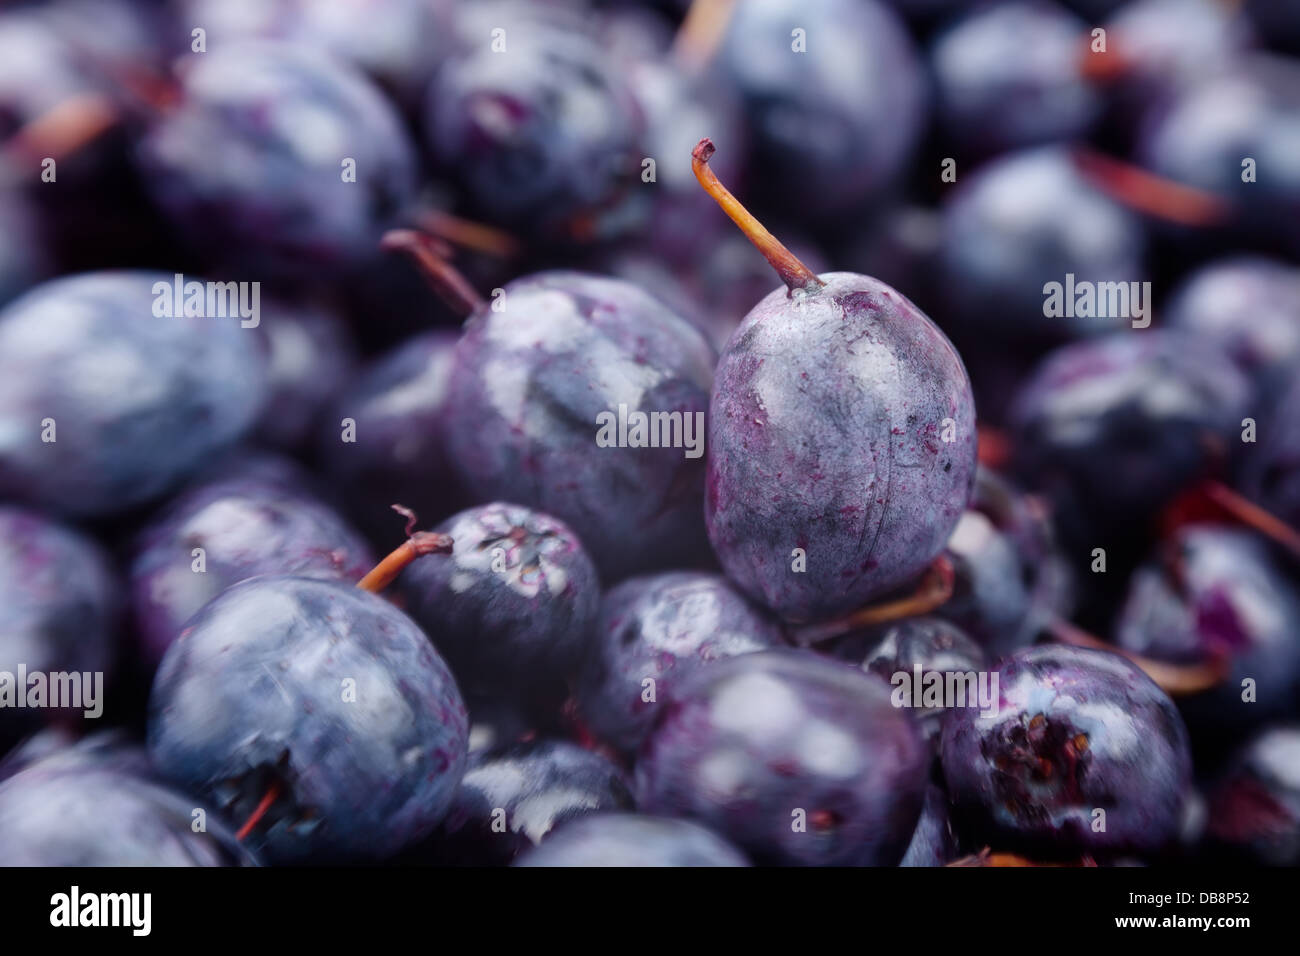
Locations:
(1104, 67)
(1212, 500)
(1151, 194)
(416, 545)
(933, 590)
(701, 32)
(268, 798)
(1176, 680)
(431, 255)
(469, 234)
(61, 131)
(793, 273)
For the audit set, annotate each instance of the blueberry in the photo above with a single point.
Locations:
(246, 525)
(1009, 76)
(541, 131)
(934, 843)
(1254, 810)
(396, 452)
(625, 839)
(531, 386)
(797, 759)
(1219, 593)
(319, 701)
(93, 816)
(233, 170)
(1111, 429)
(1019, 222)
(136, 402)
(512, 799)
(1166, 44)
(662, 628)
(512, 607)
(59, 604)
(1078, 731)
(835, 124)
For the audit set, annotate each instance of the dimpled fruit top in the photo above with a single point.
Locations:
(137, 401)
(1077, 731)
(627, 839)
(322, 694)
(94, 816)
(842, 423)
(529, 383)
(250, 163)
(797, 759)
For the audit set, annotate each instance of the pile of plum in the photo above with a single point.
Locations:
(421, 455)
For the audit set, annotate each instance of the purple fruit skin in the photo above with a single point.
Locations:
(826, 433)
(540, 786)
(1009, 76)
(1270, 470)
(254, 691)
(626, 839)
(1254, 809)
(58, 607)
(23, 258)
(755, 738)
(664, 627)
(508, 622)
(246, 526)
(400, 405)
(1167, 44)
(1230, 598)
(1134, 761)
(527, 388)
(309, 359)
(1112, 428)
(94, 816)
(59, 748)
(139, 401)
(283, 208)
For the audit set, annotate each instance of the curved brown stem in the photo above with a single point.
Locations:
(701, 32)
(933, 590)
(416, 545)
(1247, 513)
(431, 255)
(468, 234)
(272, 793)
(1176, 680)
(62, 131)
(1151, 194)
(793, 273)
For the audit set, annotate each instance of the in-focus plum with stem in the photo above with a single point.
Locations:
(841, 425)
(757, 744)
(1077, 731)
(662, 628)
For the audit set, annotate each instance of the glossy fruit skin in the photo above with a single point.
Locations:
(756, 738)
(1113, 428)
(512, 607)
(1254, 810)
(253, 693)
(398, 42)
(247, 525)
(827, 433)
(1009, 76)
(1133, 761)
(528, 385)
(309, 360)
(139, 401)
(93, 816)
(278, 204)
(59, 603)
(1224, 594)
(532, 790)
(924, 645)
(626, 839)
(400, 405)
(541, 133)
(666, 628)
(1247, 305)
(1019, 222)
(833, 125)
(934, 843)
(1201, 138)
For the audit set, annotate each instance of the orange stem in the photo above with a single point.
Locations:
(268, 798)
(417, 545)
(1151, 194)
(1176, 680)
(431, 256)
(933, 590)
